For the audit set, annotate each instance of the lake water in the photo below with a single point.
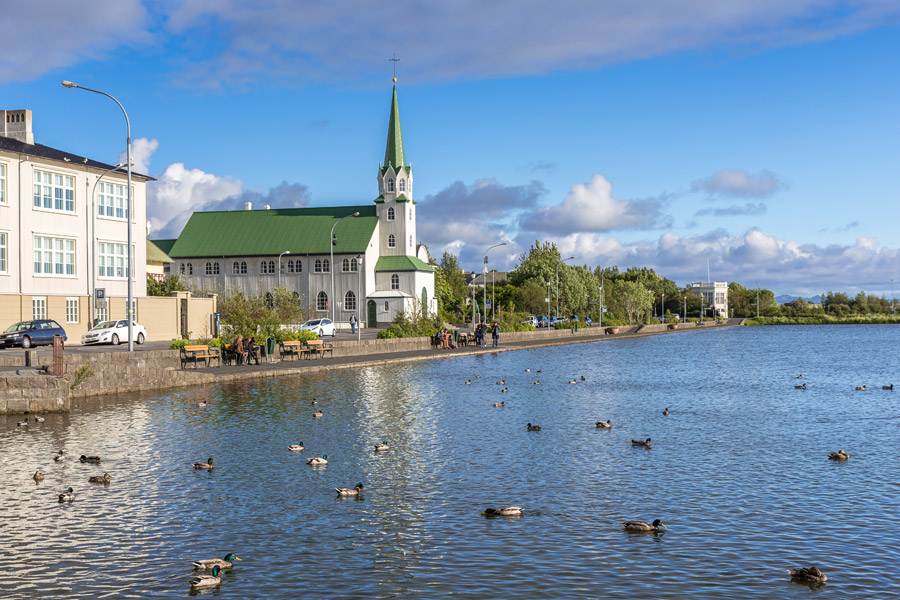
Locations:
(739, 472)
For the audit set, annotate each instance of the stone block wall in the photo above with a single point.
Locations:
(33, 393)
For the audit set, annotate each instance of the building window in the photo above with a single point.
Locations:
(182, 268)
(326, 266)
(39, 307)
(298, 266)
(190, 268)
(410, 242)
(390, 215)
(392, 242)
(2, 253)
(112, 201)
(270, 300)
(390, 187)
(111, 260)
(272, 267)
(409, 212)
(235, 268)
(54, 192)
(2, 184)
(102, 312)
(401, 185)
(354, 265)
(263, 267)
(395, 282)
(318, 266)
(322, 301)
(349, 265)
(290, 266)
(386, 306)
(54, 256)
(212, 268)
(349, 301)
(243, 267)
(71, 310)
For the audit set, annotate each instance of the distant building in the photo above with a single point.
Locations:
(715, 297)
(157, 261)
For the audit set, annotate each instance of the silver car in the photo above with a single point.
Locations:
(113, 332)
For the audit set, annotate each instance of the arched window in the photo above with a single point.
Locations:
(326, 266)
(182, 268)
(290, 266)
(272, 267)
(395, 282)
(390, 215)
(349, 301)
(318, 266)
(392, 242)
(263, 267)
(190, 269)
(216, 268)
(345, 265)
(243, 267)
(322, 301)
(209, 268)
(390, 187)
(386, 306)
(401, 184)
(236, 268)
(299, 266)
(354, 265)
(270, 300)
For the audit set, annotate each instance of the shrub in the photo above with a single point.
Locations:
(178, 344)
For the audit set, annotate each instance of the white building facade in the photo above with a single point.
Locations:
(715, 297)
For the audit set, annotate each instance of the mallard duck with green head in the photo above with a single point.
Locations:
(382, 447)
(531, 427)
(59, 456)
(207, 466)
(642, 527)
(221, 563)
(354, 491)
(318, 461)
(296, 447)
(644, 444)
(67, 496)
(604, 424)
(318, 414)
(207, 581)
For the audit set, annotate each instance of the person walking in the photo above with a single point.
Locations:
(495, 334)
(353, 324)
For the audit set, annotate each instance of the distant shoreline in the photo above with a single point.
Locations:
(825, 320)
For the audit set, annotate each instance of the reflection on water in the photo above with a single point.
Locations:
(739, 472)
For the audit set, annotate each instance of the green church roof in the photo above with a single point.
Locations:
(165, 245)
(271, 232)
(157, 254)
(402, 263)
(393, 152)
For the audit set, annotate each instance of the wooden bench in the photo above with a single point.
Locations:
(319, 348)
(466, 338)
(192, 353)
(228, 354)
(293, 348)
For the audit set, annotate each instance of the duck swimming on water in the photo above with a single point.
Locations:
(645, 444)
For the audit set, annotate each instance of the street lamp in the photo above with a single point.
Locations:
(279, 266)
(892, 297)
(557, 283)
(650, 306)
(93, 268)
(757, 299)
(548, 303)
(662, 308)
(685, 308)
(600, 309)
(331, 265)
(128, 214)
(484, 279)
(359, 263)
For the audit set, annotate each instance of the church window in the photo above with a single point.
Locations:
(322, 301)
(401, 185)
(243, 267)
(354, 265)
(326, 266)
(272, 267)
(410, 242)
(190, 269)
(349, 301)
(386, 306)
(299, 266)
(318, 266)
(390, 215)
(392, 242)
(182, 268)
(235, 268)
(290, 266)
(409, 212)
(395, 282)
(263, 267)
(390, 186)
(345, 265)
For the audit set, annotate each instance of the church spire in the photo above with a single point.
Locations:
(393, 152)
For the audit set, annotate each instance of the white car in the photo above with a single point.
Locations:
(114, 332)
(321, 327)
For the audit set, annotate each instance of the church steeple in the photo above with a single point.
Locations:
(393, 152)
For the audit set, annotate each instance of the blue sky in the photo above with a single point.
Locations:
(760, 137)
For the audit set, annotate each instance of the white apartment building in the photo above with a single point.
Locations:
(715, 297)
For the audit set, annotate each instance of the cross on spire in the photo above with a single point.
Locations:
(395, 60)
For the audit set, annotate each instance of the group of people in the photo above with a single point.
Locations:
(245, 350)
(481, 334)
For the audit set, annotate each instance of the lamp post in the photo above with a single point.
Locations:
(128, 214)
(548, 304)
(892, 297)
(557, 283)
(650, 306)
(685, 308)
(359, 263)
(757, 299)
(484, 278)
(279, 266)
(662, 308)
(93, 268)
(600, 310)
(331, 264)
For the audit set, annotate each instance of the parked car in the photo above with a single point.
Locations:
(31, 333)
(114, 332)
(533, 321)
(542, 321)
(322, 327)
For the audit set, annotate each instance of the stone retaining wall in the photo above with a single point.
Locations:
(33, 393)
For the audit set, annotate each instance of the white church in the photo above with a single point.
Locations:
(342, 261)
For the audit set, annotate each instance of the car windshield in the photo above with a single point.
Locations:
(104, 325)
(312, 323)
(23, 326)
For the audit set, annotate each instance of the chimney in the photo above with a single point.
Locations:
(248, 206)
(16, 124)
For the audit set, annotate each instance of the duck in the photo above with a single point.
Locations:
(808, 575)
(888, 387)
(582, 378)
(503, 382)
(800, 387)
(296, 447)
(39, 419)
(105, 478)
(504, 390)
(89, 459)
(222, 563)
(468, 382)
(314, 402)
(573, 381)
(666, 412)
(59, 456)
(67, 496)
(506, 511)
(478, 377)
(604, 424)
(499, 404)
(203, 403)
(640, 526)
(528, 370)
(537, 382)
(38, 476)
(354, 491)
(382, 447)
(209, 465)
(860, 388)
(318, 414)
(540, 370)
(533, 427)
(839, 455)
(22, 423)
(318, 460)
(207, 581)
(645, 444)
(799, 376)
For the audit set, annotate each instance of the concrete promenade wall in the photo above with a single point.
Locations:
(100, 373)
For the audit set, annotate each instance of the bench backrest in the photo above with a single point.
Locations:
(196, 348)
(291, 343)
(314, 343)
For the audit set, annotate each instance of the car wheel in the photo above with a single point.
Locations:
(334, 332)
(140, 338)
(26, 342)
(319, 333)
(115, 340)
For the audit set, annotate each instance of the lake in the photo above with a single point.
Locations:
(738, 471)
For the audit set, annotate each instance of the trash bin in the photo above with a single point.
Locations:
(576, 327)
(270, 347)
(456, 336)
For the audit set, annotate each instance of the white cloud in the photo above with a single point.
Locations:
(738, 182)
(141, 151)
(178, 192)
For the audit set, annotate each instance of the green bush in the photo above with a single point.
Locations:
(387, 334)
(178, 344)
(285, 335)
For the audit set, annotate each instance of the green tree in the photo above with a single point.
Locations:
(172, 283)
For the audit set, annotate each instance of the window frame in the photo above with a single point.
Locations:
(321, 301)
(103, 253)
(38, 267)
(37, 301)
(390, 213)
(350, 301)
(392, 241)
(57, 192)
(118, 209)
(3, 187)
(4, 252)
(395, 281)
(73, 309)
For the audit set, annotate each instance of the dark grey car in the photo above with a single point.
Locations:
(31, 333)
